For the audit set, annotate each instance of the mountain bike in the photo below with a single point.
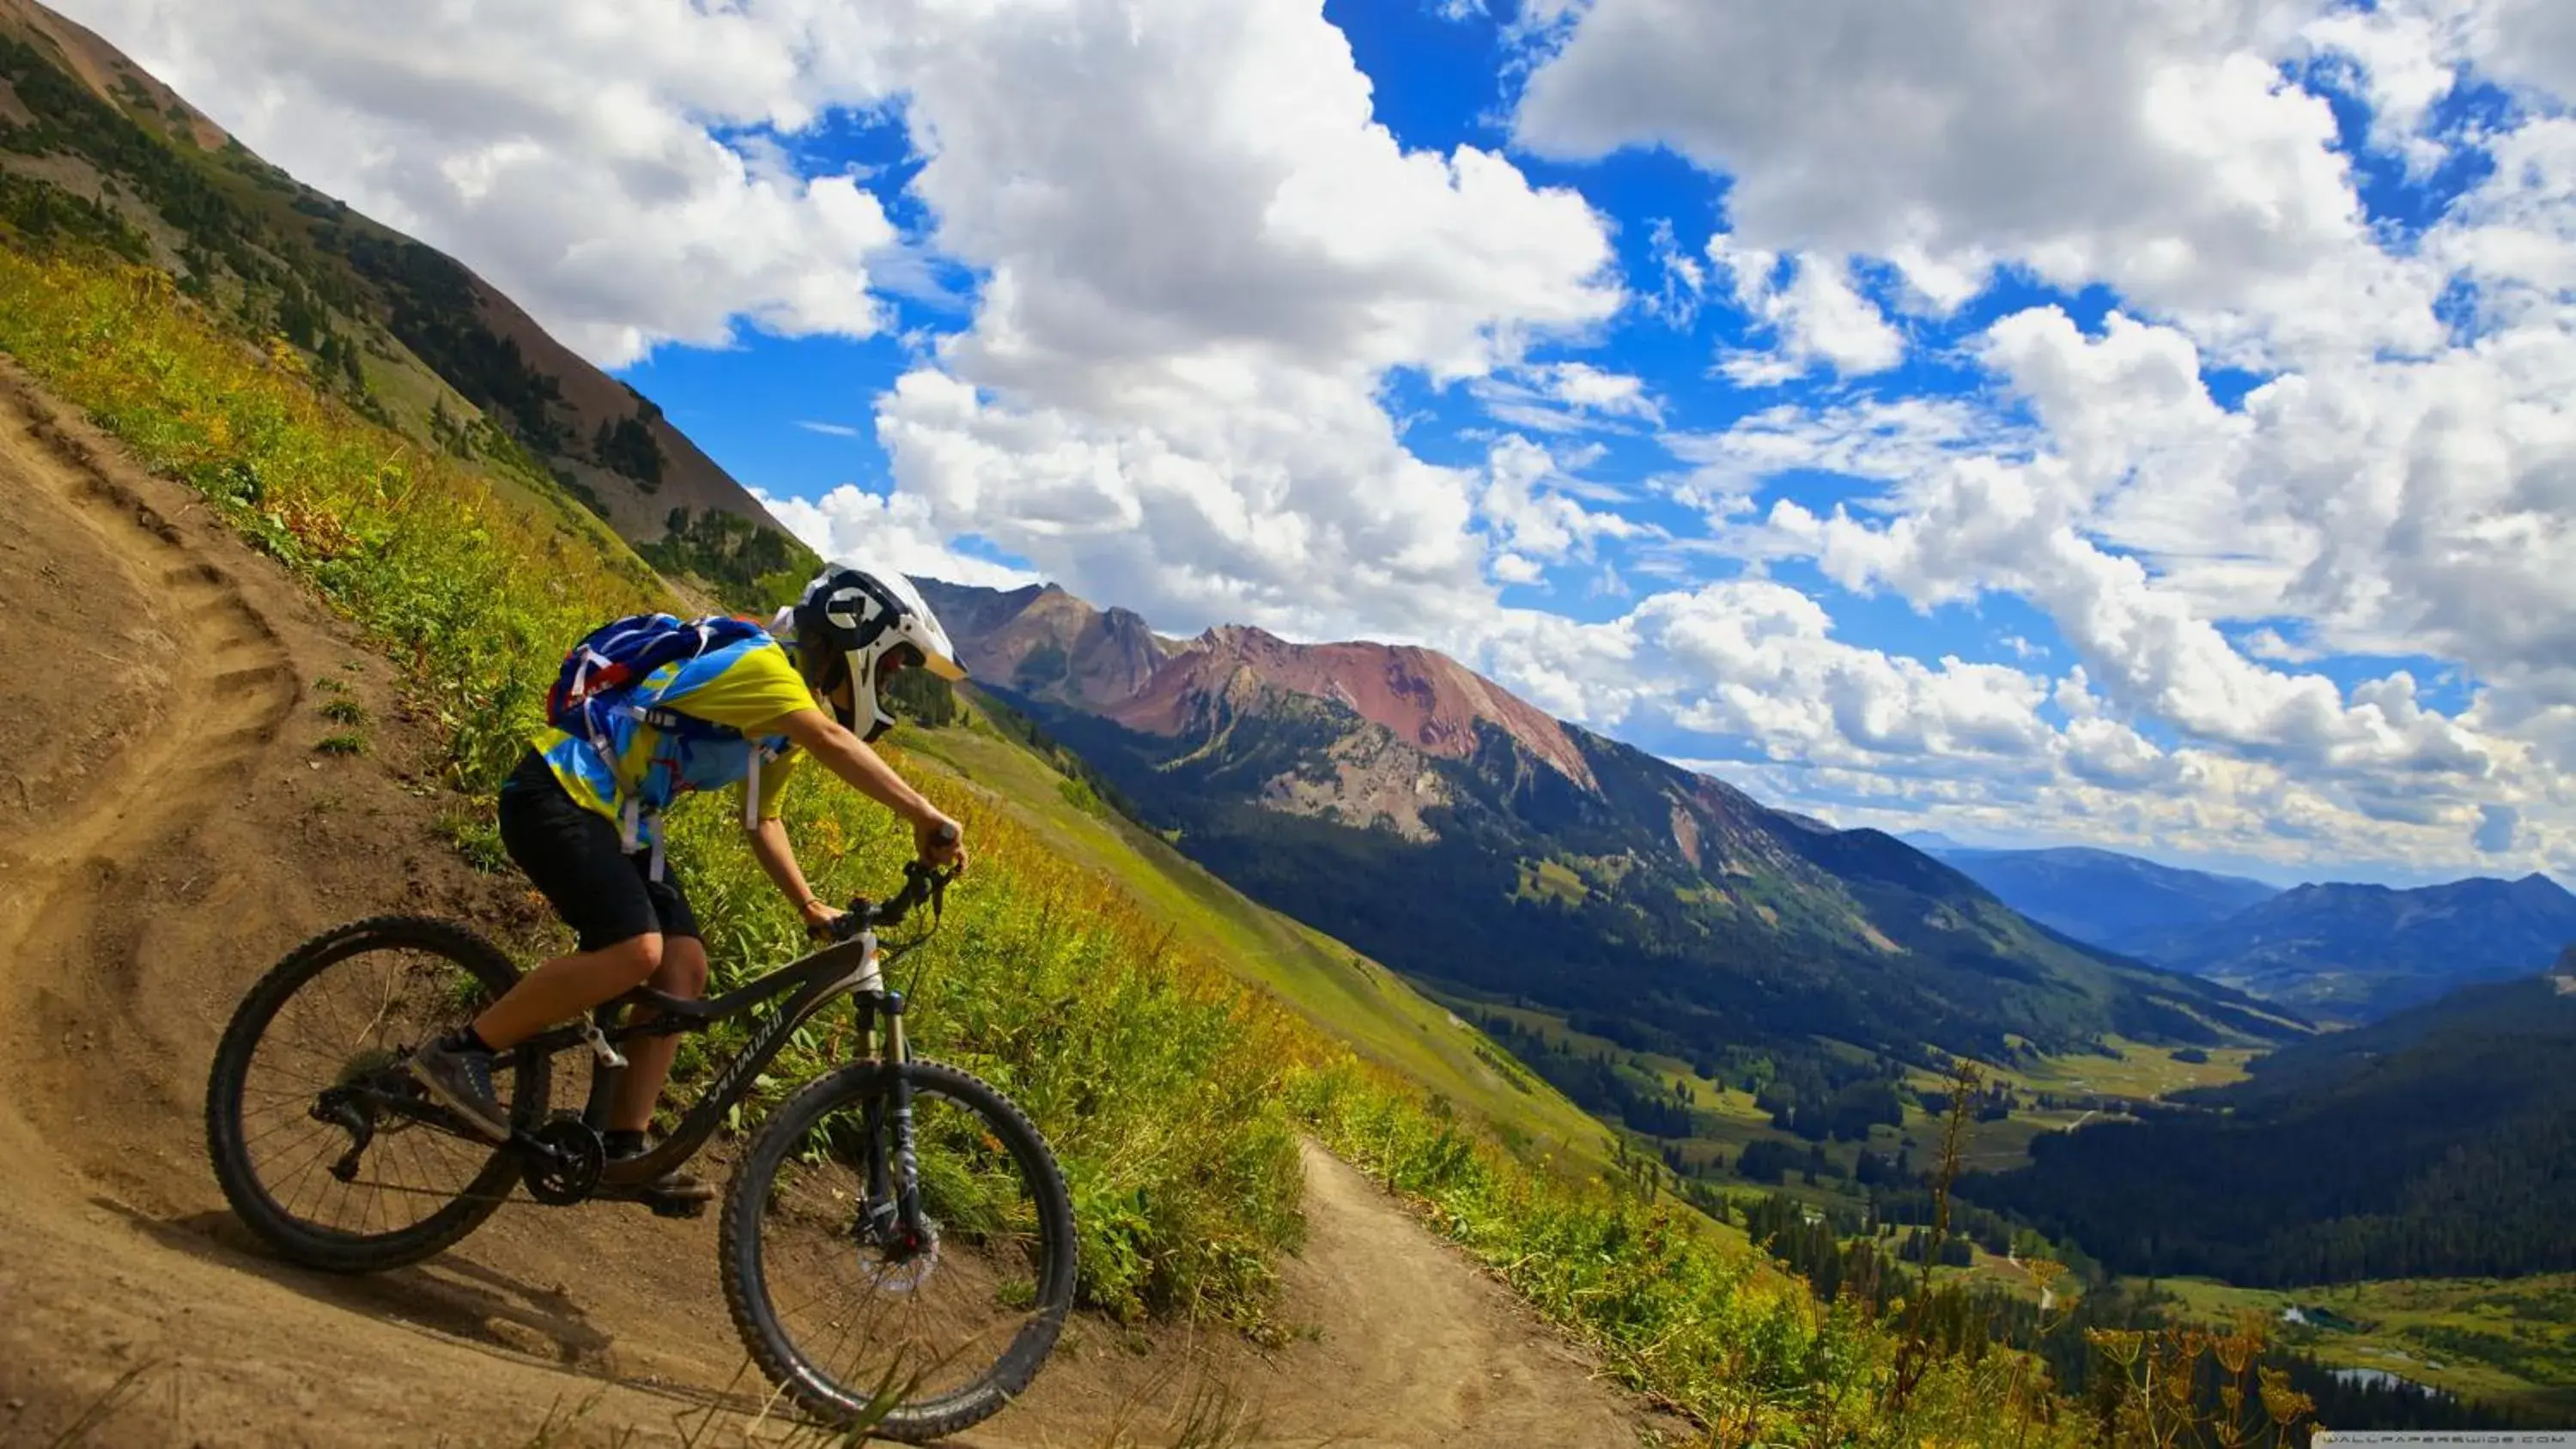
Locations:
(889, 1183)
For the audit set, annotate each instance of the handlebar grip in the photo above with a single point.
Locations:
(946, 834)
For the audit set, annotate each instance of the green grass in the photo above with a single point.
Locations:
(2502, 1340)
(2141, 1072)
(1551, 880)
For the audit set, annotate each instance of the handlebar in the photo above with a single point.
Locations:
(923, 883)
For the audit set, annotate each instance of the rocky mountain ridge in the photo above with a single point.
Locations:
(1396, 798)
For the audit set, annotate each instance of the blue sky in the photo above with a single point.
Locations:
(2139, 425)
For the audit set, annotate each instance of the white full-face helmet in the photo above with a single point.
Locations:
(861, 626)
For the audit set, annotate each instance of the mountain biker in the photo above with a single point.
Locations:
(812, 682)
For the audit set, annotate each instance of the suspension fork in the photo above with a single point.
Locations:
(894, 1184)
(907, 1181)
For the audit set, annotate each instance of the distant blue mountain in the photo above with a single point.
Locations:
(2358, 952)
(2334, 952)
(2101, 897)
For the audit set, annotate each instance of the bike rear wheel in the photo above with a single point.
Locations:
(908, 1340)
(322, 1142)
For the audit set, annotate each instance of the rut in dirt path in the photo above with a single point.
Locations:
(172, 831)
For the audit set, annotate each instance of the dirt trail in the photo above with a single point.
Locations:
(167, 829)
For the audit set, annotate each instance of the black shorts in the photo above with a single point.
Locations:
(576, 858)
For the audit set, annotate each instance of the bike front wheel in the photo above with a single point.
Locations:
(859, 1320)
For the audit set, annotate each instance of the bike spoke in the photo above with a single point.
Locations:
(353, 1022)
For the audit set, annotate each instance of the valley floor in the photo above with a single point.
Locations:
(172, 829)
(2505, 1341)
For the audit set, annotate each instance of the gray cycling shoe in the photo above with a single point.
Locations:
(461, 1079)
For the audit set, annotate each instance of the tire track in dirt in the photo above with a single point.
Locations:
(173, 833)
(226, 695)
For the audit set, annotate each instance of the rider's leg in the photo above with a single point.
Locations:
(683, 973)
(567, 986)
(576, 859)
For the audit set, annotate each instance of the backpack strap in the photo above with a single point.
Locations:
(762, 752)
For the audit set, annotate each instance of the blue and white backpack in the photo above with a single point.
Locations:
(598, 681)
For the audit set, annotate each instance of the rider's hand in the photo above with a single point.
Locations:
(926, 842)
(819, 916)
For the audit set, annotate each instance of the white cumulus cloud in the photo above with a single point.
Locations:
(563, 148)
(1204, 258)
(1811, 306)
(2154, 147)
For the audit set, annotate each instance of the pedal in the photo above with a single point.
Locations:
(665, 1208)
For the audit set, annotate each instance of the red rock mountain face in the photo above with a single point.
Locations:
(1113, 665)
(1044, 642)
(1750, 919)
(1424, 698)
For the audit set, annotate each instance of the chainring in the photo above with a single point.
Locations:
(574, 1158)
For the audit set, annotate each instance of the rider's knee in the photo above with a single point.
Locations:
(684, 970)
(637, 958)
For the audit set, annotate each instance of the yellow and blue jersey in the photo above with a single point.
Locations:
(743, 686)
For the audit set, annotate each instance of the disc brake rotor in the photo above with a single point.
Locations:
(889, 1258)
(905, 1270)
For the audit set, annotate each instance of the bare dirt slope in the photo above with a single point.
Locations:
(167, 829)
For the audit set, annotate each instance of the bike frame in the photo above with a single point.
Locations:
(844, 968)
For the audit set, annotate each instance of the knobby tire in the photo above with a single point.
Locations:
(748, 1295)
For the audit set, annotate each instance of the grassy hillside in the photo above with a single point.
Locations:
(94, 150)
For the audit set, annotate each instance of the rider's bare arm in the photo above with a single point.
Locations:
(848, 756)
(769, 846)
